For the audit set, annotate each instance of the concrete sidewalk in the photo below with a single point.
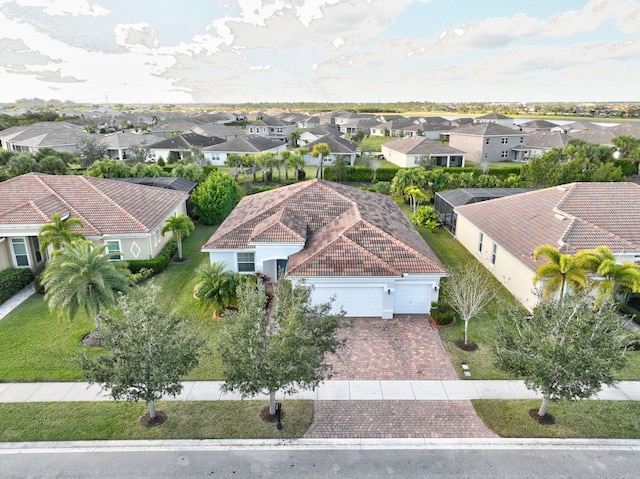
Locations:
(327, 391)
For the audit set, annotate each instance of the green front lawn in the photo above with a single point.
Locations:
(37, 346)
(84, 421)
(580, 419)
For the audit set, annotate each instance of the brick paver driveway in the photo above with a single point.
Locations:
(407, 347)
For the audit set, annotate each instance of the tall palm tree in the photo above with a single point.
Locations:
(286, 155)
(216, 288)
(59, 232)
(81, 278)
(297, 163)
(265, 161)
(181, 226)
(294, 137)
(562, 270)
(603, 263)
(320, 151)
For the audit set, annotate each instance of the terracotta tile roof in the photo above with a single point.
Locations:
(571, 217)
(349, 232)
(104, 206)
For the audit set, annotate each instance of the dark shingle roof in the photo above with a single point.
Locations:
(246, 144)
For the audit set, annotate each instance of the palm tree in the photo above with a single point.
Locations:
(603, 263)
(216, 288)
(319, 151)
(180, 226)
(562, 270)
(294, 137)
(59, 232)
(235, 161)
(297, 163)
(81, 277)
(265, 162)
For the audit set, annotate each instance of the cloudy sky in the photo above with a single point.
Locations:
(225, 51)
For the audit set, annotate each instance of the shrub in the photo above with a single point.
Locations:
(383, 187)
(628, 167)
(155, 265)
(425, 216)
(37, 284)
(12, 281)
(215, 198)
(442, 313)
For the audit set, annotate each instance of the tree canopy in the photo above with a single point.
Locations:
(278, 345)
(215, 197)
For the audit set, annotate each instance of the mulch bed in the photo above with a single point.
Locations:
(267, 417)
(148, 421)
(466, 347)
(544, 420)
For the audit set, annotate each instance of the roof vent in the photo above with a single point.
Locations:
(561, 188)
(560, 217)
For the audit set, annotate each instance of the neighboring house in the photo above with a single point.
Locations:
(118, 143)
(495, 118)
(430, 130)
(177, 147)
(503, 233)
(394, 127)
(170, 128)
(243, 145)
(446, 202)
(536, 125)
(216, 130)
(347, 243)
(61, 136)
(308, 122)
(407, 152)
(539, 142)
(314, 134)
(489, 141)
(363, 125)
(271, 127)
(339, 148)
(127, 217)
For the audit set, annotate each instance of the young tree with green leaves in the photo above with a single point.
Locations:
(146, 350)
(426, 217)
(181, 226)
(91, 150)
(59, 232)
(283, 346)
(320, 151)
(565, 350)
(80, 277)
(215, 197)
(469, 292)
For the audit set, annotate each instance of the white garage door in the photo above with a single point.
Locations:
(412, 298)
(356, 301)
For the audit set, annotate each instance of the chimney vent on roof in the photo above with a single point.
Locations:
(560, 217)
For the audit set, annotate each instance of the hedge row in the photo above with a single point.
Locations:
(361, 174)
(157, 264)
(12, 281)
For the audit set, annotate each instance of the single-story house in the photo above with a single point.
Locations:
(408, 151)
(503, 233)
(347, 243)
(243, 145)
(488, 141)
(126, 217)
(540, 142)
(119, 142)
(176, 147)
(61, 136)
(313, 134)
(496, 118)
(338, 147)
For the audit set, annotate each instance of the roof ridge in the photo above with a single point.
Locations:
(38, 210)
(110, 200)
(594, 226)
(326, 186)
(369, 253)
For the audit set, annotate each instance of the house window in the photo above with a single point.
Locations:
(480, 239)
(486, 141)
(246, 262)
(505, 140)
(113, 250)
(505, 154)
(20, 256)
(494, 250)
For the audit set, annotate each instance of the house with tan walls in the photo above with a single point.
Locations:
(407, 152)
(503, 233)
(127, 217)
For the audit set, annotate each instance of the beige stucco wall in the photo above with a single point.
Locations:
(5, 255)
(515, 276)
(398, 158)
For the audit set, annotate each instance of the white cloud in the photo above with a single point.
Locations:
(135, 34)
(65, 7)
(338, 42)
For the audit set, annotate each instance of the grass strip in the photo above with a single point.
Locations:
(111, 420)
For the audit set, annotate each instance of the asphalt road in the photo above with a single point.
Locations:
(197, 460)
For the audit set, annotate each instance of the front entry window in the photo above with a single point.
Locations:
(20, 255)
(246, 263)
